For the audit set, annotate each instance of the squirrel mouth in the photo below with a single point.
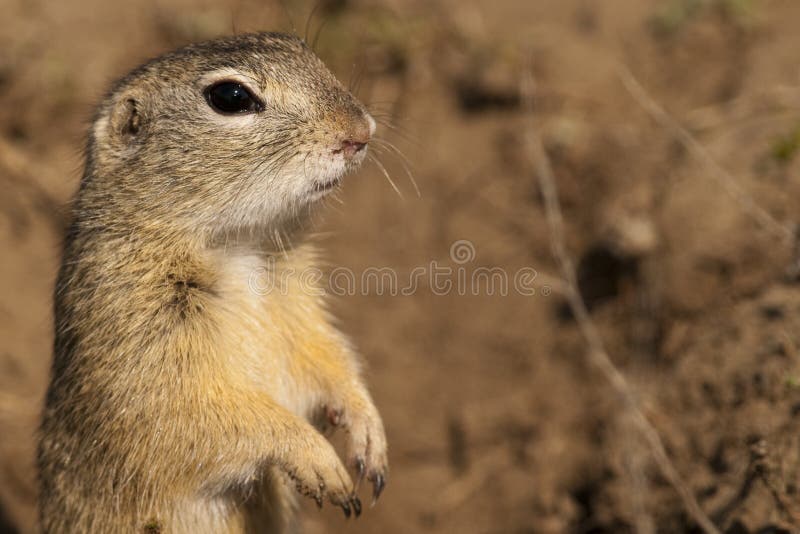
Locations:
(326, 186)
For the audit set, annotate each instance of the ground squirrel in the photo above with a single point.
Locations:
(180, 396)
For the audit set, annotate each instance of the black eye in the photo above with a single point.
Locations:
(231, 97)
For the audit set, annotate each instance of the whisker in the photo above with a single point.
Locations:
(234, 11)
(381, 102)
(404, 161)
(355, 81)
(386, 174)
(401, 132)
(391, 123)
(361, 77)
(319, 32)
(398, 120)
(305, 160)
(276, 239)
(352, 77)
(309, 19)
(386, 121)
(288, 239)
(391, 146)
(288, 15)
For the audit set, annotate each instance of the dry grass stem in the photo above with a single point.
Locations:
(718, 172)
(596, 351)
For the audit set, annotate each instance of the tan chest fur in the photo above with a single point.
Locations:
(273, 322)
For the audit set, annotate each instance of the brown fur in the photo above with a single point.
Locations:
(181, 397)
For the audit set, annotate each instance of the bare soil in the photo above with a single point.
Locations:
(496, 421)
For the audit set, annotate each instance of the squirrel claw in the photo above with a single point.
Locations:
(346, 509)
(361, 468)
(356, 502)
(378, 483)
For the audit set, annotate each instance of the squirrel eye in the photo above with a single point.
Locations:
(231, 97)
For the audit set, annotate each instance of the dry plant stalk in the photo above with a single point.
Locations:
(719, 173)
(596, 351)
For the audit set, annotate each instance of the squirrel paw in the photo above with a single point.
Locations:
(318, 473)
(366, 445)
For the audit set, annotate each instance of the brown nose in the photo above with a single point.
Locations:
(358, 139)
(351, 147)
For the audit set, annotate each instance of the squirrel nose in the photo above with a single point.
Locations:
(351, 147)
(360, 136)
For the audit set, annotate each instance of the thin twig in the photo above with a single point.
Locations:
(634, 464)
(597, 354)
(719, 173)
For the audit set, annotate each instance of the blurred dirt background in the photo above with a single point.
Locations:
(497, 423)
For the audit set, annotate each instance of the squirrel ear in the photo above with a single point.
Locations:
(126, 121)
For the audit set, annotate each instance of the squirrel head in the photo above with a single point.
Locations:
(243, 132)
